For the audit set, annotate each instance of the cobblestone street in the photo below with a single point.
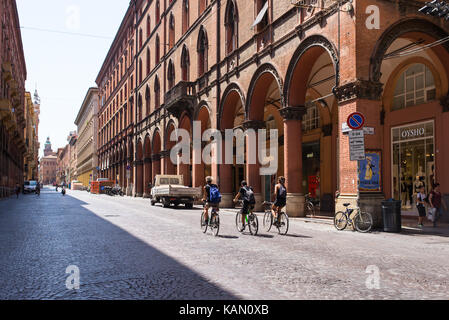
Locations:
(126, 249)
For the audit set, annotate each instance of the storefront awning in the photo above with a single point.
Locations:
(261, 15)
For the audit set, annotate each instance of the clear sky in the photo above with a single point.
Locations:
(62, 65)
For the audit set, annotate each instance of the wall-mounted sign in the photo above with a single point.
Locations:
(357, 145)
(370, 173)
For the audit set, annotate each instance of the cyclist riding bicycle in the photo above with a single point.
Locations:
(211, 197)
(280, 193)
(246, 194)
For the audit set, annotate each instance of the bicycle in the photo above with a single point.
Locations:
(214, 221)
(309, 206)
(362, 221)
(251, 221)
(282, 223)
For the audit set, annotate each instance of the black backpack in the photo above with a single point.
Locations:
(249, 196)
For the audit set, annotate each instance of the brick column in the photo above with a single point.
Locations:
(293, 159)
(359, 96)
(139, 178)
(198, 170)
(253, 176)
(184, 171)
(147, 177)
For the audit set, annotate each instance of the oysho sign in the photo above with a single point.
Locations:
(412, 133)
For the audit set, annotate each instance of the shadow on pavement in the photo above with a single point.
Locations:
(41, 237)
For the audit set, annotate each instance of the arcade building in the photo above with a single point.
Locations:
(301, 69)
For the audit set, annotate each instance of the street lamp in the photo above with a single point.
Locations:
(436, 8)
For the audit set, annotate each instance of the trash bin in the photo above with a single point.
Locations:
(391, 212)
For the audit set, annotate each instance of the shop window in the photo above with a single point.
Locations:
(185, 16)
(311, 119)
(231, 27)
(415, 86)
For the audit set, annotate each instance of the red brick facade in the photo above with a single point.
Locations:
(302, 70)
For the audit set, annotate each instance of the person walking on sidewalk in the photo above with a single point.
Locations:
(17, 190)
(436, 201)
(421, 205)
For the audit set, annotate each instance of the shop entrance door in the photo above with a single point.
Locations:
(413, 163)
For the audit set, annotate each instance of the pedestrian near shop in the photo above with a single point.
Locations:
(421, 205)
(436, 202)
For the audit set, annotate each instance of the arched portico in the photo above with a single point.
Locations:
(147, 166)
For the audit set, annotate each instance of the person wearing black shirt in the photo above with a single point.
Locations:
(247, 206)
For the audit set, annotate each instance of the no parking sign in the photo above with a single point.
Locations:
(356, 121)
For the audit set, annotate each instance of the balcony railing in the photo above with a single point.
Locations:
(181, 97)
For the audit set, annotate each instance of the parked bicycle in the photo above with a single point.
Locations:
(214, 221)
(282, 223)
(362, 221)
(250, 220)
(309, 205)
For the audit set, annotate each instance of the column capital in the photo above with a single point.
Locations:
(165, 154)
(293, 113)
(147, 160)
(359, 89)
(253, 124)
(138, 162)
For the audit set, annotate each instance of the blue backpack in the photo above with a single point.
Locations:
(215, 196)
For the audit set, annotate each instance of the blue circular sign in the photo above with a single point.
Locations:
(356, 121)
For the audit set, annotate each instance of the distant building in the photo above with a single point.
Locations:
(48, 165)
(87, 123)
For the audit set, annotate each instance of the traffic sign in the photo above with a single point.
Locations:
(357, 145)
(356, 121)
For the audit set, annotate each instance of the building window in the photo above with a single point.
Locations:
(148, 61)
(147, 100)
(140, 71)
(171, 75)
(158, 12)
(157, 94)
(171, 32)
(231, 27)
(139, 108)
(148, 26)
(311, 119)
(185, 16)
(185, 64)
(262, 18)
(202, 6)
(157, 55)
(415, 86)
(140, 39)
(202, 52)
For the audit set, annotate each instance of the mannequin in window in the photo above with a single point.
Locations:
(417, 184)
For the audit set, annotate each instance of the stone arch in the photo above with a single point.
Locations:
(156, 142)
(231, 89)
(307, 48)
(171, 168)
(401, 28)
(139, 167)
(266, 69)
(147, 169)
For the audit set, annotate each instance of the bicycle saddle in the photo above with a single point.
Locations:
(346, 204)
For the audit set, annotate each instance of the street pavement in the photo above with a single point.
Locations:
(126, 249)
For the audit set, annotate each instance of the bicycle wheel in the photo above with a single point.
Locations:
(340, 221)
(238, 222)
(282, 224)
(203, 223)
(253, 224)
(363, 222)
(267, 220)
(215, 224)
